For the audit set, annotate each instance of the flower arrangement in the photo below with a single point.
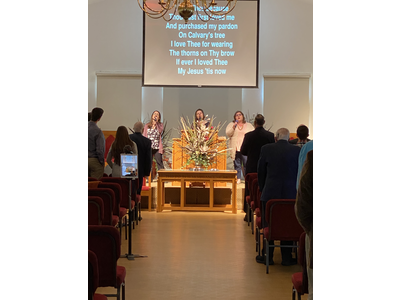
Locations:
(200, 141)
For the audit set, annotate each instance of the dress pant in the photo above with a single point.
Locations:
(159, 159)
(96, 169)
(139, 189)
(245, 204)
(240, 164)
(286, 252)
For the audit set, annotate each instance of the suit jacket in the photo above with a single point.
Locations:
(277, 170)
(252, 143)
(145, 157)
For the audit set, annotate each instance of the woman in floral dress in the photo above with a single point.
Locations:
(153, 131)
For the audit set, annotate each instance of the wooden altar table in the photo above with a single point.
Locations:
(184, 176)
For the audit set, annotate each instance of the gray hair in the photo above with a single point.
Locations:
(282, 134)
(138, 127)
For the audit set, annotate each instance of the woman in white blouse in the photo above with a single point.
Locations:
(235, 131)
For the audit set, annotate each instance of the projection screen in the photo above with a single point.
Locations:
(217, 53)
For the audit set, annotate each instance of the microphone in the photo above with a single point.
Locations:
(128, 149)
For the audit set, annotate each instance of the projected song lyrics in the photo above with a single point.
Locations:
(205, 50)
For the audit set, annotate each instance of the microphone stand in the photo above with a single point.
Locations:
(129, 255)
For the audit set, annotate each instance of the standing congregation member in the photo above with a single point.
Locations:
(235, 131)
(277, 174)
(302, 133)
(302, 157)
(117, 147)
(153, 131)
(145, 158)
(97, 145)
(304, 214)
(251, 147)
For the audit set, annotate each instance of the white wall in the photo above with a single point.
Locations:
(119, 96)
(286, 101)
(115, 44)
(115, 39)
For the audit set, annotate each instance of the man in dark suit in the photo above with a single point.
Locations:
(144, 153)
(251, 146)
(277, 175)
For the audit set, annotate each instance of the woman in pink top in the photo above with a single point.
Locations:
(153, 131)
(235, 131)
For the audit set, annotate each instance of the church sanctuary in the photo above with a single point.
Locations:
(176, 206)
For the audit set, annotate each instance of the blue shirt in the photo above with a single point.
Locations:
(97, 143)
(302, 157)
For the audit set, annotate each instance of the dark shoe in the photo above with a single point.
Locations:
(271, 263)
(245, 218)
(291, 262)
(260, 259)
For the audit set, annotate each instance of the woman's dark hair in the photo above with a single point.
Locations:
(121, 140)
(97, 112)
(151, 118)
(195, 114)
(302, 132)
(234, 117)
